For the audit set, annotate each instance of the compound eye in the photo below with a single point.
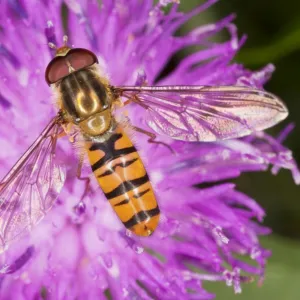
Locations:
(75, 60)
(81, 58)
(56, 70)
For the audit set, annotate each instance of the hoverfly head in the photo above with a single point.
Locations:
(67, 61)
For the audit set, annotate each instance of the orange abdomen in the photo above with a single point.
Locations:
(125, 182)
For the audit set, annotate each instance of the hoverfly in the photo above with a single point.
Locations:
(86, 102)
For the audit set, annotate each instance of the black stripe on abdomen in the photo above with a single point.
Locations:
(126, 201)
(127, 186)
(141, 194)
(110, 152)
(113, 169)
(141, 216)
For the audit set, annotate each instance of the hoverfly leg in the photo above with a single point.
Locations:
(70, 132)
(152, 137)
(127, 102)
(87, 179)
(133, 98)
(61, 134)
(117, 103)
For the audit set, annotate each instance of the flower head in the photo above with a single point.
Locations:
(81, 250)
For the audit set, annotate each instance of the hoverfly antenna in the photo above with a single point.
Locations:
(52, 46)
(65, 40)
(63, 50)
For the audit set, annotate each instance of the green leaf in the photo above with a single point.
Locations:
(278, 49)
(282, 275)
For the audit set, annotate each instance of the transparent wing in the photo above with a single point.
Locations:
(206, 113)
(29, 190)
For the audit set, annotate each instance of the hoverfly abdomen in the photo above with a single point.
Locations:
(124, 181)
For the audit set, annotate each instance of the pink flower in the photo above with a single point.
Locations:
(82, 251)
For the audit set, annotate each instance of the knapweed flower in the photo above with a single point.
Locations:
(81, 250)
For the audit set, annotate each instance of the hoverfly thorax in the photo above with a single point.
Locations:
(85, 96)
